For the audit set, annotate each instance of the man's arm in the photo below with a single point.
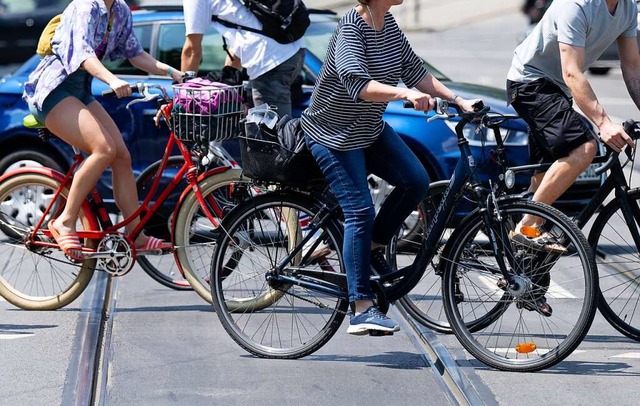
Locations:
(572, 58)
(191, 53)
(630, 65)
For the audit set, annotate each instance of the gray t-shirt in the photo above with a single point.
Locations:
(581, 23)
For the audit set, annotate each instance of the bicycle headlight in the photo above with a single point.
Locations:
(509, 178)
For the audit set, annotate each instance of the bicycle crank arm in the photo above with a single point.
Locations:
(104, 255)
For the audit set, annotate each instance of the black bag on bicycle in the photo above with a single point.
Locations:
(278, 155)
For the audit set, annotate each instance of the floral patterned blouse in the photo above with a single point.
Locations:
(80, 33)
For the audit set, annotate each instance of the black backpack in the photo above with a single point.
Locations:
(283, 20)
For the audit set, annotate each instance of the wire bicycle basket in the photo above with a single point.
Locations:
(206, 112)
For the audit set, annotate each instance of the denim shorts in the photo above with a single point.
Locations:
(77, 85)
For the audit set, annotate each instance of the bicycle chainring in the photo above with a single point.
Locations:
(120, 260)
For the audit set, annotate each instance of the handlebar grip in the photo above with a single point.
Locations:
(478, 106)
(631, 128)
(112, 93)
(407, 104)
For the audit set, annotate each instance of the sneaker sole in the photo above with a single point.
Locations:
(362, 329)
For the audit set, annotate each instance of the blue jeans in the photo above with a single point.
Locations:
(346, 172)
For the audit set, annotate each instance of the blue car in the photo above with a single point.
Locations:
(162, 32)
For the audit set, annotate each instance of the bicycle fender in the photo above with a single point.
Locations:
(52, 173)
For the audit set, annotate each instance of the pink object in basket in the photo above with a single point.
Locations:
(202, 96)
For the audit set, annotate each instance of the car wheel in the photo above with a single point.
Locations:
(27, 157)
(599, 71)
(20, 159)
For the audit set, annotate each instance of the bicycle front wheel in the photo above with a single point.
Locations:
(34, 277)
(265, 317)
(195, 236)
(618, 266)
(508, 327)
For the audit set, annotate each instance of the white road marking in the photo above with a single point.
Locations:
(555, 291)
(558, 292)
(627, 355)
(5, 336)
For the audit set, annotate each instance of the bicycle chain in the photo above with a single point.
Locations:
(67, 262)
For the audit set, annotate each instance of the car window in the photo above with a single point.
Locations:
(123, 66)
(28, 6)
(318, 36)
(170, 42)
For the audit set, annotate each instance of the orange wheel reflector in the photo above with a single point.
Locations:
(529, 231)
(525, 348)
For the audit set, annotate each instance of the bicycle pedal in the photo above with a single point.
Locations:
(378, 333)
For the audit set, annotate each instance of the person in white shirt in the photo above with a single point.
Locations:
(272, 67)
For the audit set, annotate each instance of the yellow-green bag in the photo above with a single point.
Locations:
(44, 43)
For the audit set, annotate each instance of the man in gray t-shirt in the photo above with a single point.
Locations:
(547, 74)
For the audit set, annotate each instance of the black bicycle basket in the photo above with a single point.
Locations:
(278, 155)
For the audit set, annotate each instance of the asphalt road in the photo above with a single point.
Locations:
(168, 347)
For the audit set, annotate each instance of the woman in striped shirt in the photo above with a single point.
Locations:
(368, 56)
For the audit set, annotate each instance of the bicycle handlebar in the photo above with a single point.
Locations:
(442, 110)
(632, 128)
(144, 90)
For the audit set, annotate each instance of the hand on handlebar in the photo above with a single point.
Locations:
(420, 101)
(121, 88)
(615, 137)
(468, 105)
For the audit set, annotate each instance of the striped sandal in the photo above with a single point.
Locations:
(68, 243)
(154, 246)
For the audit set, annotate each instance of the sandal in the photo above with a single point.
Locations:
(540, 242)
(153, 245)
(68, 243)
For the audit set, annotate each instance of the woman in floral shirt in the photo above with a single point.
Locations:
(59, 95)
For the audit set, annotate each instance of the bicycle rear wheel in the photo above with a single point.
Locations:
(618, 267)
(515, 335)
(162, 268)
(35, 277)
(266, 318)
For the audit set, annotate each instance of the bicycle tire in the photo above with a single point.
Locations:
(56, 281)
(194, 236)
(313, 317)
(520, 339)
(162, 268)
(618, 264)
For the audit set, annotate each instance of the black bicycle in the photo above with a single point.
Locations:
(614, 236)
(279, 300)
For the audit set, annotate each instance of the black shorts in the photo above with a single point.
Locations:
(555, 128)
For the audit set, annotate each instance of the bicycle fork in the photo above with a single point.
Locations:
(492, 217)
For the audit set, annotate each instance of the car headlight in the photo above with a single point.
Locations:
(479, 137)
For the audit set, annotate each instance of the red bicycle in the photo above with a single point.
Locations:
(38, 276)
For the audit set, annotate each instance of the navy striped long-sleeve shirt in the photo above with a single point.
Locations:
(357, 54)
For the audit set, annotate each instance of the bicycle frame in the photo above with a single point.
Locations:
(188, 170)
(464, 173)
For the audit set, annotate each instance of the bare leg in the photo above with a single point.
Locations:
(124, 183)
(72, 121)
(549, 186)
